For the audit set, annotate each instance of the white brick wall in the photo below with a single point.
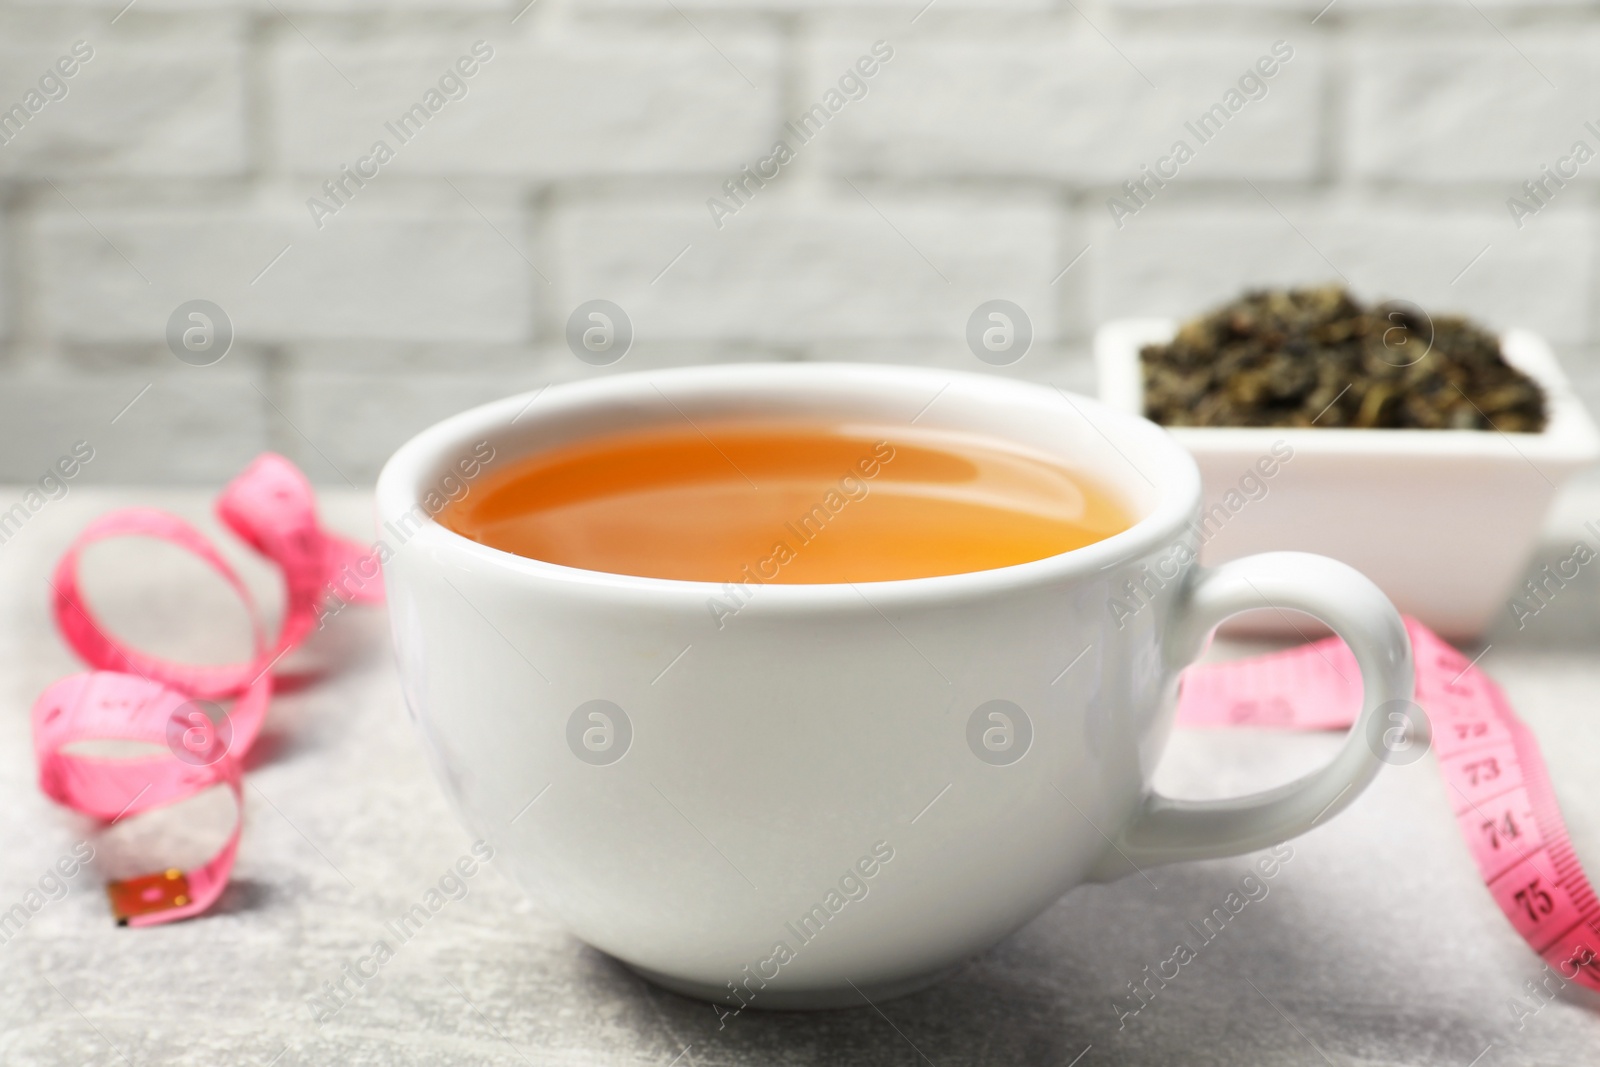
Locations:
(578, 164)
(429, 270)
(156, 98)
(1469, 109)
(576, 103)
(799, 269)
(1065, 106)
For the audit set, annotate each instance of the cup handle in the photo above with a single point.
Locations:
(1165, 830)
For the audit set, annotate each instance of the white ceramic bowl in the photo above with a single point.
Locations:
(1443, 520)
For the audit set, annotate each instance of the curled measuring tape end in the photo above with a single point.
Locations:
(152, 899)
(185, 742)
(150, 894)
(102, 706)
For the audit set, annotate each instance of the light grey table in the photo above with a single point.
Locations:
(1377, 943)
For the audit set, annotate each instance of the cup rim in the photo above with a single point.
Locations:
(403, 482)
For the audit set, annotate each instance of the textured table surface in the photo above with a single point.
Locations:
(1377, 943)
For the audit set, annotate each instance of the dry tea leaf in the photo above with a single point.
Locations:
(1317, 357)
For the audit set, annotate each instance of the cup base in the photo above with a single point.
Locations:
(824, 999)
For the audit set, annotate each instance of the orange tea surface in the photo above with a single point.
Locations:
(786, 503)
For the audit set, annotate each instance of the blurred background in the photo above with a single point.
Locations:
(583, 157)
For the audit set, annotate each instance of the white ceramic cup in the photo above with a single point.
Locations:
(841, 790)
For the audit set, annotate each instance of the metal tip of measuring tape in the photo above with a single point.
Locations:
(148, 894)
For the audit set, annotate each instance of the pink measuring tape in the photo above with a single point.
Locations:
(135, 697)
(1499, 788)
